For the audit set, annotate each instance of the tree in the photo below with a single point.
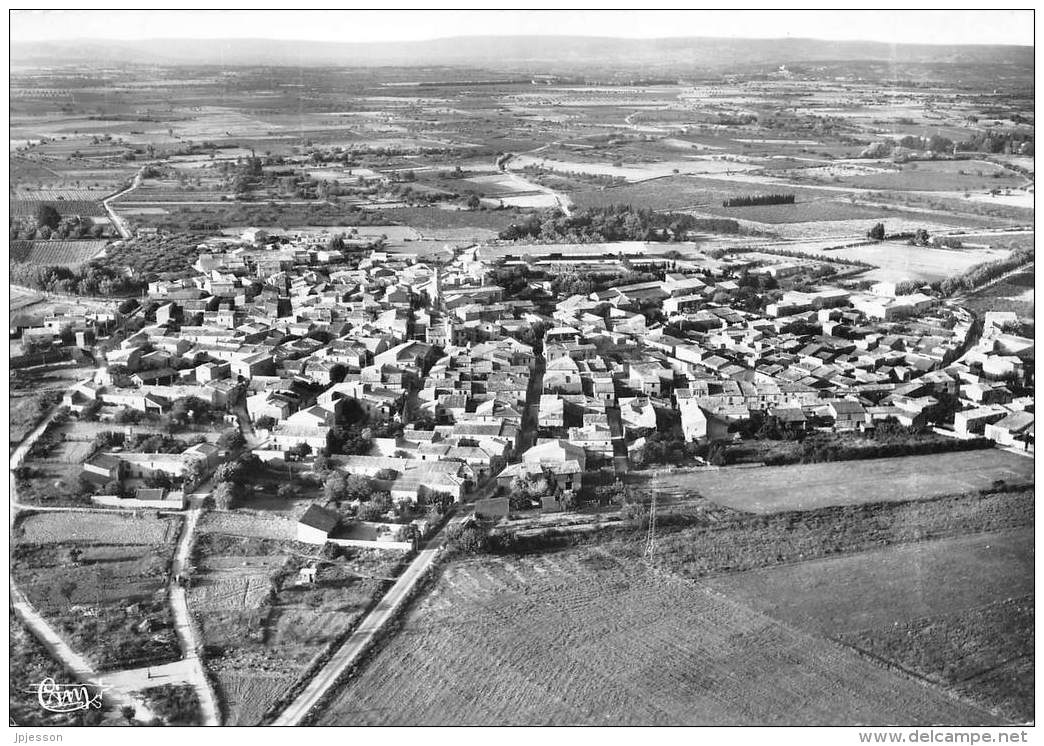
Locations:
(231, 440)
(128, 712)
(225, 495)
(265, 423)
(47, 215)
(298, 452)
(369, 512)
(231, 471)
(358, 487)
(334, 490)
(321, 464)
(877, 233)
(920, 237)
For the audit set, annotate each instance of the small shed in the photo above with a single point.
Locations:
(315, 525)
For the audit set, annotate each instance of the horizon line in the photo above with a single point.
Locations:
(111, 40)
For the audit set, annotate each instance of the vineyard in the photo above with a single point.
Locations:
(55, 253)
(26, 206)
(580, 639)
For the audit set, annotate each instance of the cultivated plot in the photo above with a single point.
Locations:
(807, 486)
(579, 639)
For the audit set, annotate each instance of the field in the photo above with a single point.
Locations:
(96, 528)
(260, 628)
(943, 608)
(577, 638)
(773, 489)
(22, 297)
(30, 663)
(900, 261)
(57, 253)
(1014, 293)
(26, 410)
(984, 654)
(101, 579)
(27, 204)
(880, 587)
(928, 176)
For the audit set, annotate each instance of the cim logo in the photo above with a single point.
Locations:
(55, 697)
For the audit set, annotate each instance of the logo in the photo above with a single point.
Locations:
(55, 697)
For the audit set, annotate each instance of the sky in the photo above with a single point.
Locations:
(929, 27)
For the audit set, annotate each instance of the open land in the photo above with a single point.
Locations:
(872, 480)
(577, 638)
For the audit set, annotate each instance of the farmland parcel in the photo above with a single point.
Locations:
(807, 486)
(576, 638)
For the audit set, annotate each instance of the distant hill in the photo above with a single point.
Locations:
(511, 52)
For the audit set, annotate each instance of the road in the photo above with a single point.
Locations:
(184, 626)
(531, 413)
(117, 221)
(364, 634)
(620, 463)
(561, 199)
(115, 698)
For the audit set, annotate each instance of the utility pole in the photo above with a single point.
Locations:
(650, 540)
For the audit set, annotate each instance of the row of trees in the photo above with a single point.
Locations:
(754, 200)
(612, 223)
(87, 280)
(980, 274)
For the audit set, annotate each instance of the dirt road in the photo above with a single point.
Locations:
(184, 626)
(364, 634)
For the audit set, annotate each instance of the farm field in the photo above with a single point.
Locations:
(953, 610)
(880, 587)
(900, 261)
(26, 204)
(984, 654)
(22, 297)
(58, 253)
(261, 629)
(772, 489)
(31, 663)
(1014, 293)
(101, 579)
(577, 638)
(929, 176)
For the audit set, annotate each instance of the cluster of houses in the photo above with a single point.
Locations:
(489, 389)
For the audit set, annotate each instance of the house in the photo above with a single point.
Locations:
(1014, 430)
(700, 424)
(649, 378)
(847, 414)
(315, 526)
(551, 413)
(972, 422)
(637, 414)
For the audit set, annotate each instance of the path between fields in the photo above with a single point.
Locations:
(117, 221)
(194, 672)
(72, 661)
(561, 199)
(364, 634)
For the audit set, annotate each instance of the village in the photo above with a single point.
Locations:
(438, 386)
(512, 379)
